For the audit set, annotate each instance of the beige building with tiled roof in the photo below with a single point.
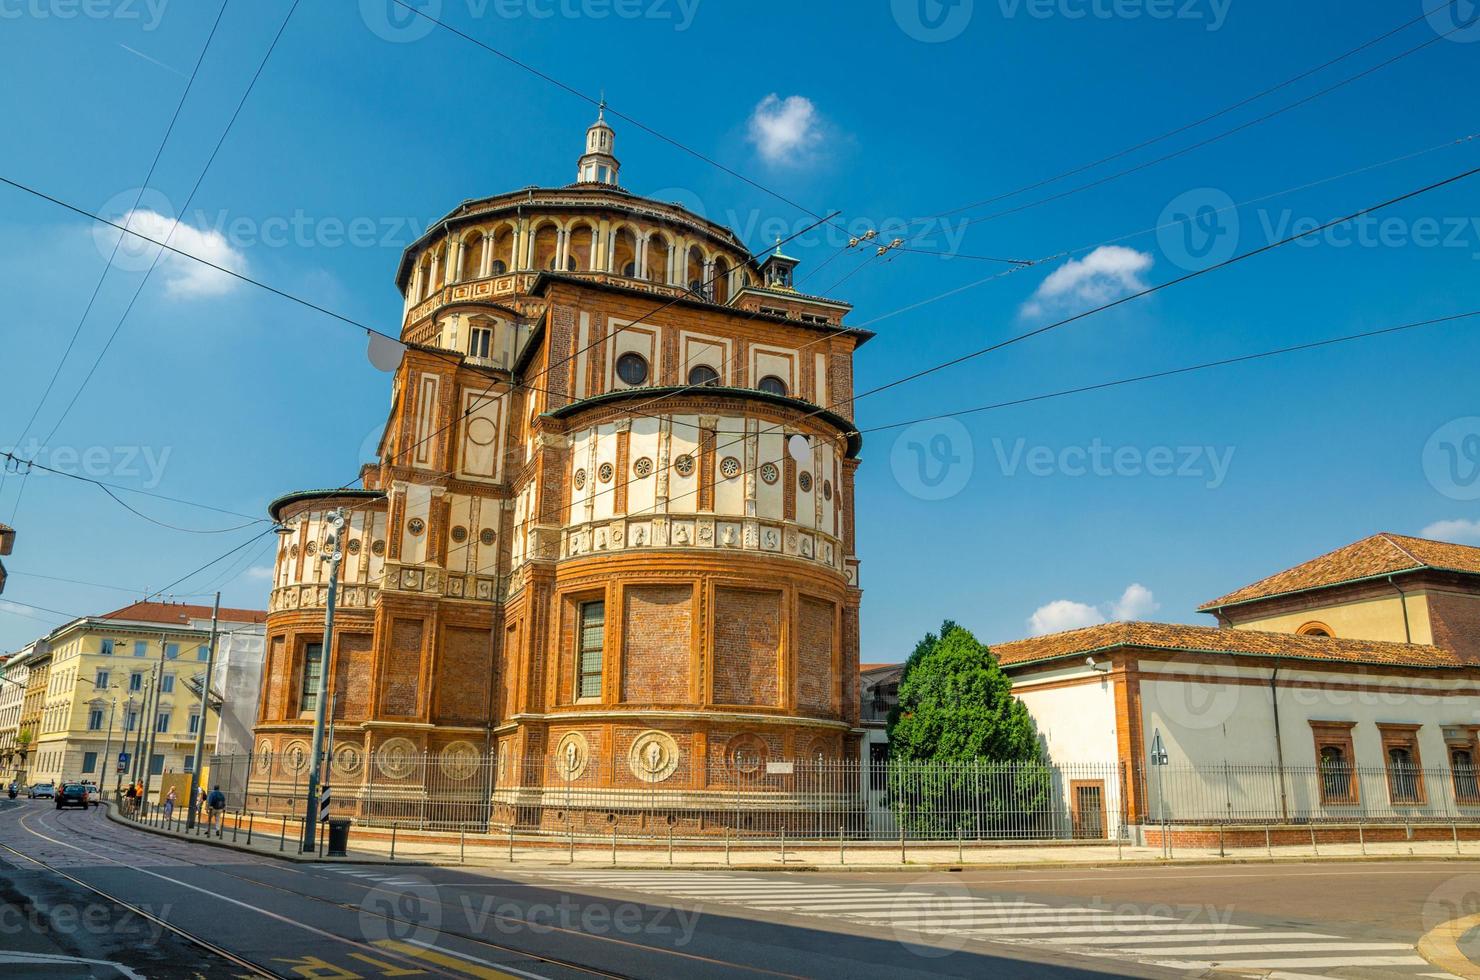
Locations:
(1346, 685)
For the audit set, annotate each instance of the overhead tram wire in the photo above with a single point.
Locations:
(1173, 372)
(1066, 253)
(173, 228)
(1196, 122)
(108, 266)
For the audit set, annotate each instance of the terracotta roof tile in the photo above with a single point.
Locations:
(866, 668)
(180, 614)
(1381, 554)
(1208, 639)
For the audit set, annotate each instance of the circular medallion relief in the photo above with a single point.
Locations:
(826, 489)
(377, 549)
(604, 473)
(572, 753)
(643, 467)
(729, 467)
(264, 755)
(481, 432)
(653, 756)
(769, 473)
(348, 758)
(310, 548)
(486, 535)
(458, 760)
(746, 754)
(805, 482)
(416, 525)
(354, 546)
(684, 465)
(396, 758)
(459, 534)
(580, 479)
(295, 756)
(293, 552)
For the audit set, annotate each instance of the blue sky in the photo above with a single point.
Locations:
(888, 112)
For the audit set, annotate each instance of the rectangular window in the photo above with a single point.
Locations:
(162, 722)
(1336, 766)
(194, 723)
(167, 684)
(89, 761)
(313, 664)
(141, 648)
(156, 764)
(106, 648)
(588, 650)
(130, 719)
(171, 651)
(189, 764)
(203, 654)
(101, 681)
(95, 720)
(1404, 769)
(136, 681)
(480, 341)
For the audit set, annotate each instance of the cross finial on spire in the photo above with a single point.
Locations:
(778, 244)
(601, 107)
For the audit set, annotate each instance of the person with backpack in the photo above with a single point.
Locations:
(216, 803)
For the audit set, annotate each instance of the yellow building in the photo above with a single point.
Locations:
(116, 680)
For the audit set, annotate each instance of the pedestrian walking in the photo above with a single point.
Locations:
(217, 804)
(169, 805)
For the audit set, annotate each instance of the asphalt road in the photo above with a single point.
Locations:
(80, 888)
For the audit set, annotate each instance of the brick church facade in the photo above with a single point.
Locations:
(610, 537)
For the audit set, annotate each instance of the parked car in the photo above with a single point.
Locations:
(94, 796)
(42, 791)
(72, 794)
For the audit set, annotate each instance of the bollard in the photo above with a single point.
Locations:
(236, 825)
(959, 858)
(1454, 829)
(462, 846)
(670, 845)
(1268, 847)
(901, 842)
(1313, 849)
(727, 845)
(614, 845)
(283, 834)
(511, 843)
(394, 825)
(1221, 851)
(251, 818)
(783, 843)
(1361, 837)
(840, 844)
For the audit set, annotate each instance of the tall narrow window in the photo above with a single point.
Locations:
(588, 653)
(162, 722)
(167, 684)
(480, 342)
(136, 681)
(194, 722)
(171, 651)
(313, 663)
(101, 680)
(141, 648)
(1402, 775)
(1462, 765)
(107, 648)
(95, 720)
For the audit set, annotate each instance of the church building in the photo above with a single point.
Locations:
(609, 541)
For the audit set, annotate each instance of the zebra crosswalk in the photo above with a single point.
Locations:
(951, 915)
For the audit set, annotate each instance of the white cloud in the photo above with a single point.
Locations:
(1102, 275)
(186, 278)
(1062, 614)
(1136, 602)
(785, 131)
(1459, 530)
(259, 573)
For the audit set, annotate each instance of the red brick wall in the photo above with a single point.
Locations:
(352, 673)
(657, 637)
(1456, 623)
(747, 643)
(276, 687)
(814, 674)
(401, 681)
(463, 676)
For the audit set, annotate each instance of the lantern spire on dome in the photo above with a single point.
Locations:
(598, 165)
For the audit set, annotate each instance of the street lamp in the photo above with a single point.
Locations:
(108, 741)
(333, 553)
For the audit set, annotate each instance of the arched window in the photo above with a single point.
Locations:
(632, 368)
(1336, 774)
(772, 385)
(719, 290)
(703, 374)
(1462, 765)
(657, 259)
(694, 270)
(472, 257)
(578, 251)
(546, 240)
(502, 247)
(1402, 775)
(1315, 629)
(624, 254)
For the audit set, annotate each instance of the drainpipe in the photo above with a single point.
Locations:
(1279, 748)
(1403, 601)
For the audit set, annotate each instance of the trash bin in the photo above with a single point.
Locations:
(338, 837)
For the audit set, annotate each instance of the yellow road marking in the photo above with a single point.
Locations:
(448, 960)
(1440, 946)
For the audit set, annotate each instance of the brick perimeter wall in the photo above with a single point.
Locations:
(657, 635)
(747, 644)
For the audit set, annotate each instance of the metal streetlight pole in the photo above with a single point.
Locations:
(139, 731)
(332, 545)
(205, 718)
(107, 746)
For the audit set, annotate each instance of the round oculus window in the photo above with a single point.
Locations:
(486, 535)
(769, 473)
(604, 473)
(378, 548)
(684, 465)
(643, 467)
(729, 467)
(805, 482)
(580, 479)
(459, 534)
(416, 525)
(632, 368)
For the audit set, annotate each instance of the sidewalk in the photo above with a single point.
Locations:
(374, 846)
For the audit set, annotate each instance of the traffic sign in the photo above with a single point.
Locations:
(324, 804)
(123, 762)
(1158, 750)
